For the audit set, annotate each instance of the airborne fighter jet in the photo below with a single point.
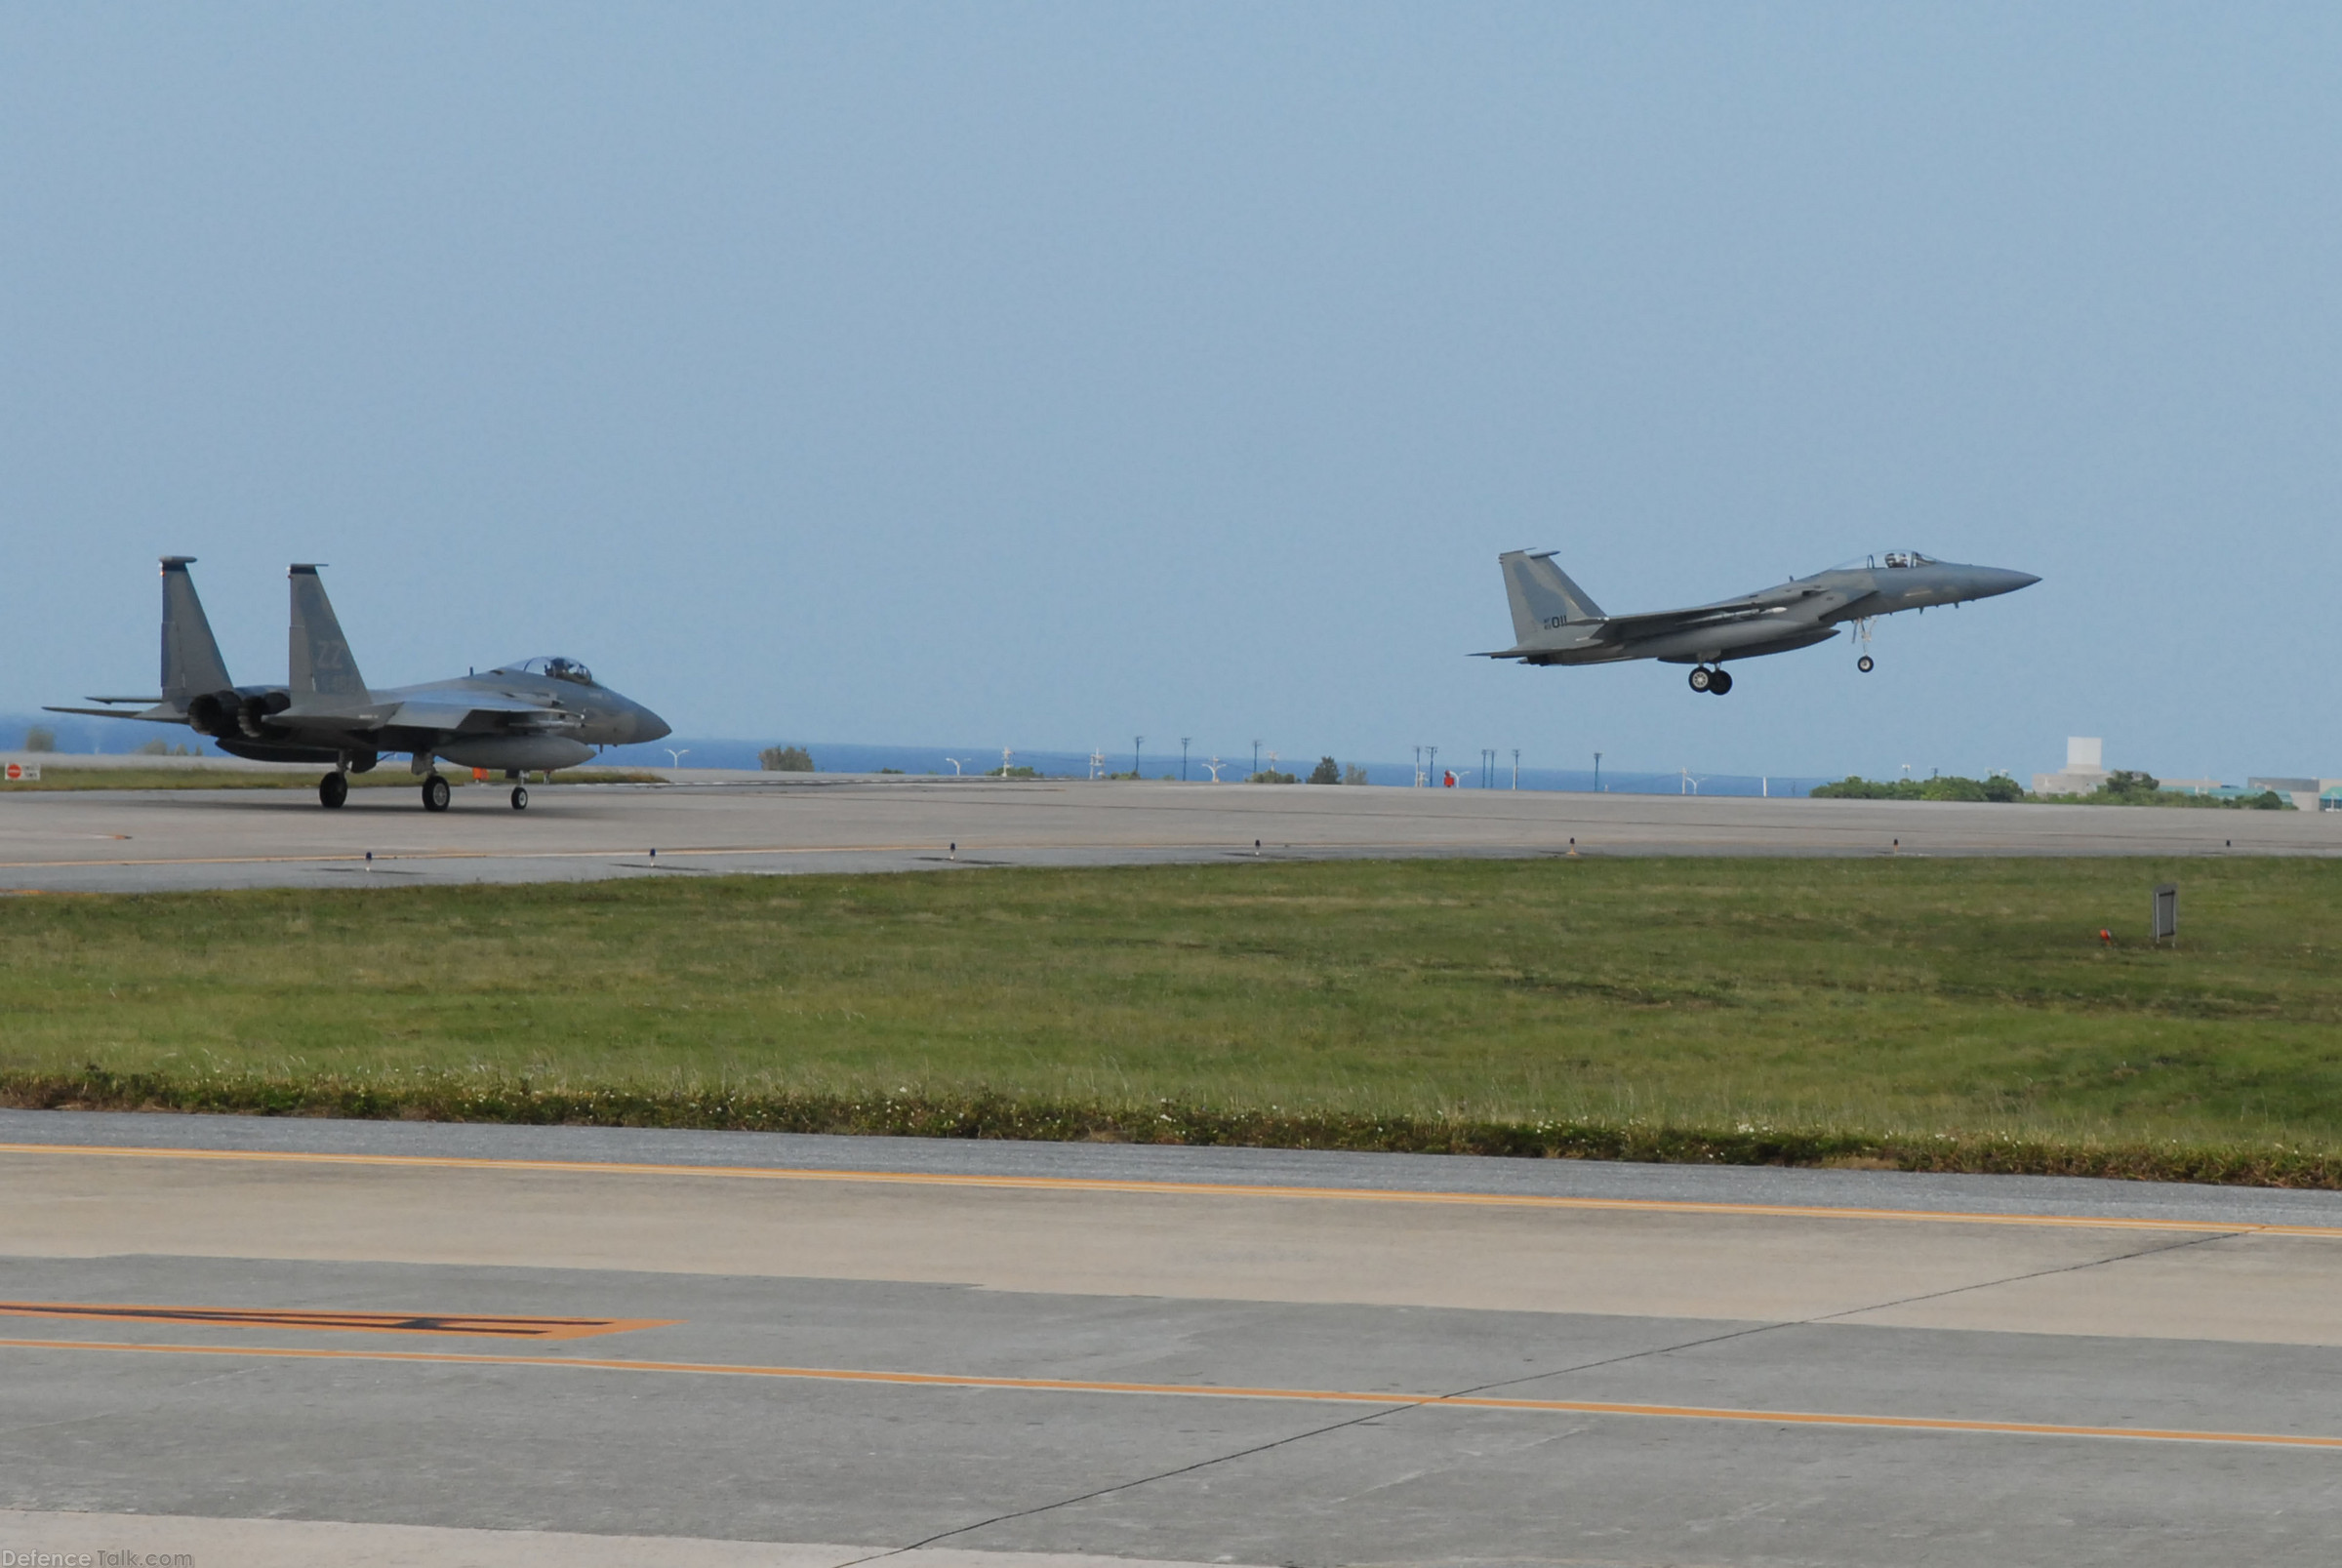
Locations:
(541, 714)
(1555, 622)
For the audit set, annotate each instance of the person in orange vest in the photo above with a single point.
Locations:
(1451, 779)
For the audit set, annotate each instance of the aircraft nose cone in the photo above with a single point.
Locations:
(649, 726)
(1994, 580)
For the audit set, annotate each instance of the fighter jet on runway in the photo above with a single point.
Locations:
(541, 714)
(1555, 622)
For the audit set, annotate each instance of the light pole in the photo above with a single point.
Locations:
(954, 761)
(1005, 754)
(1432, 752)
(1182, 760)
(676, 755)
(1214, 765)
(1598, 772)
(1517, 767)
(1255, 756)
(1135, 742)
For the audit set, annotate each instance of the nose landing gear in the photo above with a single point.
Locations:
(434, 793)
(1717, 681)
(331, 790)
(520, 798)
(1866, 663)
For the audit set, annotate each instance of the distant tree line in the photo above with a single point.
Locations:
(2000, 787)
(787, 759)
(2123, 787)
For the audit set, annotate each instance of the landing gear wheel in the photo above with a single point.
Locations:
(434, 793)
(1865, 664)
(520, 798)
(331, 790)
(1720, 682)
(1702, 678)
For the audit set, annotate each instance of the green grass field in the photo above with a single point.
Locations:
(1828, 1006)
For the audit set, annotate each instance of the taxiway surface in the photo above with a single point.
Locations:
(154, 840)
(401, 1342)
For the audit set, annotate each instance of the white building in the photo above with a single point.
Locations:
(2085, 770)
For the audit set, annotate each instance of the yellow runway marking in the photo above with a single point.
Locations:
(467, 1323)
(1078, 1184)
(1199, 1390)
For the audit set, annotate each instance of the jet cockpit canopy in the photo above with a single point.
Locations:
(554, 667)
(1890, 560)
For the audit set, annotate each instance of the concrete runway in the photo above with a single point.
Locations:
(511, 1346)
(150, 840)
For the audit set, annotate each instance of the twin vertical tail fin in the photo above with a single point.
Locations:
(318, 655)
(191, 663)
(1541, 594)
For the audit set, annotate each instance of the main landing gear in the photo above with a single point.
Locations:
(520, 798)
(1717, 681)
(434, 793)
(1866, 663)
(331, 790)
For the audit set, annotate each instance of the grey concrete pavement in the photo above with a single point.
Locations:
(1172, 1355)
(170, 839)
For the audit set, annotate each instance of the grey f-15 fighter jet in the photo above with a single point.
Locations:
(537, 715)
(1555, 622)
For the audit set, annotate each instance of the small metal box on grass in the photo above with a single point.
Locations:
(2166, 912)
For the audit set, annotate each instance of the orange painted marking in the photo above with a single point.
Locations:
(467, 1323)
(1197, 1391)
(1076, 1183)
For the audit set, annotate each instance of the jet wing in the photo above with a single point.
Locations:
(1725, 612)
(467, 713)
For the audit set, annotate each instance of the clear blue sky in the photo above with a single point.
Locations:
(1038, 376)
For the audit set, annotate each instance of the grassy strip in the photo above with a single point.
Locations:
(454, 1098)
(1931, 1014)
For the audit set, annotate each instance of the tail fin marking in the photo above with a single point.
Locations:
(319, 658)
(1541, 594)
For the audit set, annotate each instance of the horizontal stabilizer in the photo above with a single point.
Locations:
(117, 713)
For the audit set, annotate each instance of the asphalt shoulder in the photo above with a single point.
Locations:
(1172, 1165)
